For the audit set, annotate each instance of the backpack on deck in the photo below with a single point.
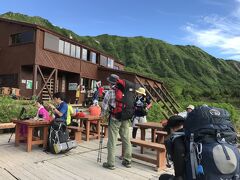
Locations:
(125, 97)
(211, 148)
(58, 140)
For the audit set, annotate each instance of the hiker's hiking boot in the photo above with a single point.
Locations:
(126, 163)
(108, 166)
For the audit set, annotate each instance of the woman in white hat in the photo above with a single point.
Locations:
(141, 104)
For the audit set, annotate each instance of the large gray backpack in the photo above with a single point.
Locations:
(211, 144)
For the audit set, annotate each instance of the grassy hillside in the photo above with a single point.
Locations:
(190, 73)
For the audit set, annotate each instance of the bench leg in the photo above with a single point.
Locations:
(78, 136)
(161, 160)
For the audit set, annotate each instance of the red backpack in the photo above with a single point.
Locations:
(125, 96)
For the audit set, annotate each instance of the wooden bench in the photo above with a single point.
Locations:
(77, 133)
(159, 161)
(105, 129)
(7, 125)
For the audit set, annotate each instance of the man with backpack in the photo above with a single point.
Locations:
(118, 121)
(209, 150)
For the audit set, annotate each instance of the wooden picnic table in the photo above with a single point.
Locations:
(31, 124)
(154, 126)
(88, 119)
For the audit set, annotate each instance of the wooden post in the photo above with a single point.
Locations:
(56, 81)
(35, 70)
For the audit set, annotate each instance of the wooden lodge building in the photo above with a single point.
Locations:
(40, 62)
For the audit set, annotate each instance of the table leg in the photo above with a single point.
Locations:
(142, 137)
(17, 134)
(29, 138)
(98, 129)
(45, 137)
(81, 123)
(87, 130)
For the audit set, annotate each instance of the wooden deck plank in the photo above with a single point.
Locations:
(6, 175)
(79, 163)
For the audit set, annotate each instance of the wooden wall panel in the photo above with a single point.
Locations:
(121, 66)
(52, 59)
(13, 56)
(89, 70)
(103, 73)
(26, 74)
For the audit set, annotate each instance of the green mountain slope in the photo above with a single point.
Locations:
(189, 72)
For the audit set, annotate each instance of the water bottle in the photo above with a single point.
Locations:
(77, 110)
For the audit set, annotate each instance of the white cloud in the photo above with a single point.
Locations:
(218, 32)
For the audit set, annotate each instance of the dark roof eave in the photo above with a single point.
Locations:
(126, 72)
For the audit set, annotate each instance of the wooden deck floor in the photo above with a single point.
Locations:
(79, 163)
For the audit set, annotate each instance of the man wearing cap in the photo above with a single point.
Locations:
(115, 127)
(141, 106)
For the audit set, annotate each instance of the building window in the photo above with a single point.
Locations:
(84, 54)
(61, 46)
(110, 63)
(93, 57)
(103, 60)
(51, 42)
(78, 52)
(73, 50)
(23, 37)
(67, 48)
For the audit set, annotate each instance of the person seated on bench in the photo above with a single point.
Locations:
(94, 110)
(70, 113)
(42, 114)
(60, 111)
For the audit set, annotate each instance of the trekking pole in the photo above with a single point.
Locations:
(10, 136)
(99, 159)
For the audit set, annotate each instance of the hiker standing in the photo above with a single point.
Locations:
(116, 126)
(141, 105)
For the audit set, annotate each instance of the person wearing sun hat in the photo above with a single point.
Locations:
(189, 109)
(141, 107)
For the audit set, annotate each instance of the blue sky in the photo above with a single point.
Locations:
(213, 25)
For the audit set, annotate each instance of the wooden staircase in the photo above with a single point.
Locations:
(45, 94)
(160, 95)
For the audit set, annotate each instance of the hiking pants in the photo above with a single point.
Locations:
(118, 127)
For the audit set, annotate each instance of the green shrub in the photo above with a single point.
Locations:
(155, 113)
(10, 108)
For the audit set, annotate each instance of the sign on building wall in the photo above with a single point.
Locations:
(72, 86)
(29, 84)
